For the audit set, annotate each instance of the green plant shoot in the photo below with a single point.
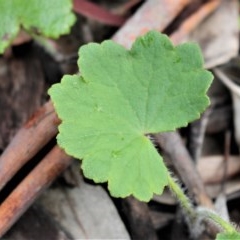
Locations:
(228, 236)
(120, 98)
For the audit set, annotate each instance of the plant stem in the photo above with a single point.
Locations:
(210, 215)
(183, 199)
(199, 213)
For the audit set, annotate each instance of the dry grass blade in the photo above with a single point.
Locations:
(190, 23)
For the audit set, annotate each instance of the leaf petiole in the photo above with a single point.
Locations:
(214, 217)
(201, 213)
(181, 196)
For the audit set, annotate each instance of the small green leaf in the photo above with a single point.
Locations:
(228, 236)
(120, 98)
(48, 17)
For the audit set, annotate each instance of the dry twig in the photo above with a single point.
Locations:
(32, 186)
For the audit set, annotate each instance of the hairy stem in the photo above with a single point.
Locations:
(181, 196)
(199, 213)
(214, 217)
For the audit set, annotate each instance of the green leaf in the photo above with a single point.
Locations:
(228, 236)
(120, 98)
(48, 17)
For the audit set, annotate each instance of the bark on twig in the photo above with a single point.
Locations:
(36, 132)
(153, 14)
(95, 11)
(31, 187)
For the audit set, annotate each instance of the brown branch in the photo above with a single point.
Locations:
(31, 187)
(153, 14)
(94, 11)
(39, 129)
